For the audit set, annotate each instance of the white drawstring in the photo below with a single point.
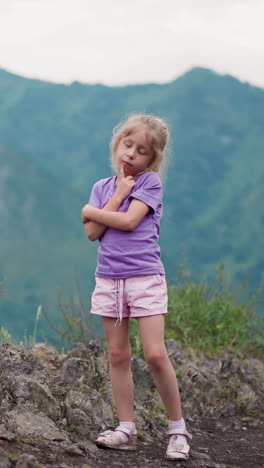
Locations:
(119, 293)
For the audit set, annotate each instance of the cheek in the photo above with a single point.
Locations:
(114, 160)
(149, 161)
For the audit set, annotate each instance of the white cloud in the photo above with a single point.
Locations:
(122, 42)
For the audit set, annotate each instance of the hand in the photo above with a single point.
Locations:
(124, 184)
(85, 213)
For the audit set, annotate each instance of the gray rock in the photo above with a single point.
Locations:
(228, 410)
(24, 422)
(49, 357)
(73, 449)
(253, 373)
(4, 462)
(201, 457)
(88, 447)
(86, 365)
(86, 410)
(5, 434)
(23, 379)
(42, 393)
(177, 353)
(218, 465)
(64, 465)
(246, 397)
(144, 383)
(230, 364)
(27, 461)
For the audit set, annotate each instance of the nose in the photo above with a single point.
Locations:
(131, 152)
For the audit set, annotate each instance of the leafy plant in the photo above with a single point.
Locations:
(5, 336)
(30, 340)
(74, 323)
(13, 456)
(135, 339)
(208, 316)
(70, 428)
(213, 317)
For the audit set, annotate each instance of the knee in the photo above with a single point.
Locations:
(119, 356)
(156, 358)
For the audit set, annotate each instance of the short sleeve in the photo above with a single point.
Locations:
(95, 197)
(149, 190)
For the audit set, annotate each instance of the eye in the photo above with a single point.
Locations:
(127, 143)
(142, 151)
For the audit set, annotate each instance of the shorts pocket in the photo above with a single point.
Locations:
(103, 297)
(147, 292)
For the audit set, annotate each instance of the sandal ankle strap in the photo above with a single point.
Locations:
(125, 430)
(179, 432)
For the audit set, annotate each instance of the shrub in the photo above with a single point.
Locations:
(213, 318)
(74, 323)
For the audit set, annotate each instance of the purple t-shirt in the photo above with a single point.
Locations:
(124, 254)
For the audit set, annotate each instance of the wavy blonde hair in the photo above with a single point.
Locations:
(156, 128)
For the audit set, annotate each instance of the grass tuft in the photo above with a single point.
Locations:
(207, 316)
(214, 318)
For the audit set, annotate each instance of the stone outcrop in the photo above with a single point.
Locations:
(63, 401)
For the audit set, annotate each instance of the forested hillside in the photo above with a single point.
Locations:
(60, 134)
(42, 246)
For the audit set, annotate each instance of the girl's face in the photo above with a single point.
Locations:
(134, 152)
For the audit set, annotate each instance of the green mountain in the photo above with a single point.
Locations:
(42, 240)
(213, 186)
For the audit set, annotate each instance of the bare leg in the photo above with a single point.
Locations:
(120, 367)
(152, 335)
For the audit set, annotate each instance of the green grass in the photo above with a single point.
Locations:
(5, 336)
(214, 317)
(209, 316)
(75, 323)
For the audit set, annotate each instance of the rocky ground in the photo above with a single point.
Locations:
(221, 443)
(52, 407)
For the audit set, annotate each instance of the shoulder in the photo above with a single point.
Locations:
(100, 184)
(149, 179)
(148, 189)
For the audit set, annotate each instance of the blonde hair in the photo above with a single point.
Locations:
(156, 128)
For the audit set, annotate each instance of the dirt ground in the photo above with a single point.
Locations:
(217, 443)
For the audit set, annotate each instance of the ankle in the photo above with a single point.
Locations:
(128, 424)
(179, 424)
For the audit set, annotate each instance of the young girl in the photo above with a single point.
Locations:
(123, 214)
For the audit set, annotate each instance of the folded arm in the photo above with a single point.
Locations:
(94, 229)
(118, 220)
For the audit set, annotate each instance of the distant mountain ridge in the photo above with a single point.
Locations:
(42, 240)
(213, 190)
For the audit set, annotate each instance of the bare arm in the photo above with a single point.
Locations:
(124, 221)
(93, 228)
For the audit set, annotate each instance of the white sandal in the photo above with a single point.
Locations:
(177, 450)
(112, 439)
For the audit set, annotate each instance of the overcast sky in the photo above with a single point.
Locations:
(119, 42)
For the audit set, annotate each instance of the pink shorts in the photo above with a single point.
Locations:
(136, 297)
